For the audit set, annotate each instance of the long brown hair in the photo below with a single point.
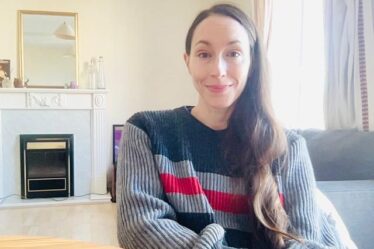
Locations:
(254, 139)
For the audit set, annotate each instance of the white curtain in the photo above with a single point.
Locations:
(349, 89)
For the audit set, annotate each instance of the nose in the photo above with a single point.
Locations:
(218, 67)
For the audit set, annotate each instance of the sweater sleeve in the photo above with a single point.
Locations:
(144, 218)
(306, 218)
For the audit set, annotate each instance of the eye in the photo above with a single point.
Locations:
(203, 55)
(234, 54)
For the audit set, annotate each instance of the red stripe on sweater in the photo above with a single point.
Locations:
(219, 201)
(186, 186)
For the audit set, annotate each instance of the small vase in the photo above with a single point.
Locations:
(101, 76)
(18, 83)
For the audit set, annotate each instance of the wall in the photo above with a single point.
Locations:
(142, 42)
(159, 47)
(153, 54)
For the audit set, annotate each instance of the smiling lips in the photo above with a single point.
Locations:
(219, 88)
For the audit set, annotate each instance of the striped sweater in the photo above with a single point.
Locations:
(174, 189)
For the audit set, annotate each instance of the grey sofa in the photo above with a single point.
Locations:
(343, 162)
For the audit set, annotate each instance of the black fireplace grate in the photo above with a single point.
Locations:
(47, 165)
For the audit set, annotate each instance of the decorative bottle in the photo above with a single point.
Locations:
(100, 80)
(92, 74)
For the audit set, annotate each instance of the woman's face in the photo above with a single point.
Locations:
(219, 61)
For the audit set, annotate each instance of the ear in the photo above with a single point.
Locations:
(186, 58)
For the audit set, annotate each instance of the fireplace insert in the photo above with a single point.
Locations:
(47, 165)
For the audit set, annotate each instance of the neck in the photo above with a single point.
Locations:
(216, 119)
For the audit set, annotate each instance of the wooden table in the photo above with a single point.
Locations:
(25, 242)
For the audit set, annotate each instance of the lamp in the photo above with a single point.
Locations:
(64, 31)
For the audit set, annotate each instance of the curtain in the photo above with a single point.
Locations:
(262, 16)
(349, 88)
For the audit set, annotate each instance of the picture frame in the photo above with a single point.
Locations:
(4, 69)
(117, 134)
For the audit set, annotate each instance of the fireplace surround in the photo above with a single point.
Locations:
(56, 111)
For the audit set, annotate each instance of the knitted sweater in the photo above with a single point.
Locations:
(174, 189)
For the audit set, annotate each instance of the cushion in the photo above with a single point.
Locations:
(339, 155)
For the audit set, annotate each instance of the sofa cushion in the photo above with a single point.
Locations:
(341, 154)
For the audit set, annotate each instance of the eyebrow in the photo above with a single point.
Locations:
(209, 44)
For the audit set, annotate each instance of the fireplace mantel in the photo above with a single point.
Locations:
(32, 98)
(29, 100)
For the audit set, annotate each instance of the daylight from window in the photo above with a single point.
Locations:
(296, 56)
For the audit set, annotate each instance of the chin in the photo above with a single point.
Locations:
(221, 105)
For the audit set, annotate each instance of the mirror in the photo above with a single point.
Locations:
(48, 45)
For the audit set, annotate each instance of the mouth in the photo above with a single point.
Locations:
(219, 88)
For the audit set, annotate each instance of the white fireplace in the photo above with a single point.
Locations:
(55, 111)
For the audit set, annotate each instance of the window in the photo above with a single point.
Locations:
(296, 56)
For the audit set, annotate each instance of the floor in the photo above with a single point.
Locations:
(89, 222)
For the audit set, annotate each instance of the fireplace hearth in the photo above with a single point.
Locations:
(47, 165)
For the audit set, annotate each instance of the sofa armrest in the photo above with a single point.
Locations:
(333, 216)
(354, 201)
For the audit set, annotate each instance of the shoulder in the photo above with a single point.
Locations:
(163, 131)
(298, 169)
(296, 151)
(152, 121)
(150, 117)
(294, 138)
(161, 127)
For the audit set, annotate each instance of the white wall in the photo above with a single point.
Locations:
(142, 42)
(158, 47)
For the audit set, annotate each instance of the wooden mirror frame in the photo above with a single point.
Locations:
(21, 59)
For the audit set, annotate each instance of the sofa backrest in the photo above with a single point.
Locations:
(339, 155)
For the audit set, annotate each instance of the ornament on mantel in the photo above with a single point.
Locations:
(7, 83)
(101, 76)
(18, 83)
(96, 75)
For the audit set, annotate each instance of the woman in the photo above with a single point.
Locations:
(221, 174)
